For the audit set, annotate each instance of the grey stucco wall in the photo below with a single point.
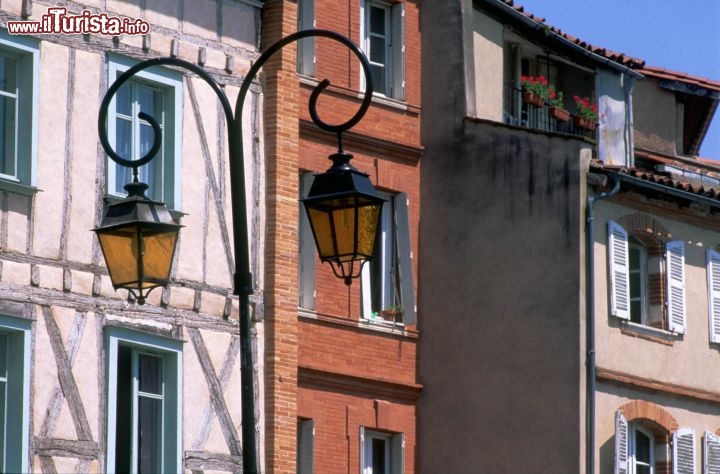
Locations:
(500, 303)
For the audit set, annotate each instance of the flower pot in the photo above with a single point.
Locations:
(533, 99)
(561, 115)
(584, 123)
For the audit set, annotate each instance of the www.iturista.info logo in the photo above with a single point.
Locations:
(58, 21)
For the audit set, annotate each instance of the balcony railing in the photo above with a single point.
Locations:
(520, 113)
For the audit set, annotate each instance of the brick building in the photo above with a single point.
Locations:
(340, 360)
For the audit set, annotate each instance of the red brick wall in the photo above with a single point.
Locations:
(338, 417)
(281, 149)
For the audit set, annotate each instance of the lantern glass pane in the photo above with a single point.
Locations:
(159, 250)
(121, 255)
(320, 222)
(368, 226)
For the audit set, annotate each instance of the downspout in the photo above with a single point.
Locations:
(590, 329)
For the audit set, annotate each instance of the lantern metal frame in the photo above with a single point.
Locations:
(243, 284)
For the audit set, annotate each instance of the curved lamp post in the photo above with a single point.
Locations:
(138, 236)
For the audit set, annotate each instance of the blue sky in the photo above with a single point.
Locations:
(681, 36)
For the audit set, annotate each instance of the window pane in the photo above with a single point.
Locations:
(634, 254)
(8, 74)
(123, 414)
(7, 134)
(377, 20)
(3, 357)
(642, 447)
(150, 374)
(377, 50)
(635, 289)
(123, 100)
(149, 435)
(378, 456)
(3, 396)
(378, 76)
(147, 100)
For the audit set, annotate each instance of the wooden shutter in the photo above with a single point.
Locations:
(306, 262)
(306, 447)
(362, 450)
(404, 255)
(675, 276)
(683, 451)
(621, 444)
(618, 274)
(397, 453)
(711, 453)
(397, 46)
(306, 46)
(713, 276)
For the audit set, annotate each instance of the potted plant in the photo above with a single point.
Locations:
(535, 90)
(391, 313)
(557, 106)
(587, 113)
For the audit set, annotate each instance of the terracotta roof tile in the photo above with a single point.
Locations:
(618, 57)
(661, 73)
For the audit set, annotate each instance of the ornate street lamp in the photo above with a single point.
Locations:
(344, 210)
(138, 236)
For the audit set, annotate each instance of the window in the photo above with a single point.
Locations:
(711, 453)
(638, 291)
(387, 282)
(713, 275)
(638, 447)
(382, 27)
(144, 416)
(381, 452)
(305, 446)
(306, 46)
(19, 59)
(158, 94)
(14, 394)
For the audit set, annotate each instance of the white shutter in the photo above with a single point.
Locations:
(306, 46)
(404, 255)
(306, 447)
(711, 453)
(713, 276)
(362, 450)
(397, 453)
(306, 251)
(683, 451)
(398, 50)
(619, 275)
(675, 270)
(621, 444)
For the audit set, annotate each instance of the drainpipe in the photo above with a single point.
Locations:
(590, 329)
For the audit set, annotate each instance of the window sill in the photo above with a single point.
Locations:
(17, 187)
(377, 98)
(364, 324)
(649, 333)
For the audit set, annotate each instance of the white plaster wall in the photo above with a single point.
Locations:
(691, 357)
(488, 63)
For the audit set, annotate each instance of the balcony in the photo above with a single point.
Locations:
(522, 114)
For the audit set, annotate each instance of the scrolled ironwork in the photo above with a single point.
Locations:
(243, 278)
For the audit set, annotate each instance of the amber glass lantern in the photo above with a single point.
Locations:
(138, 238)
(344, 211)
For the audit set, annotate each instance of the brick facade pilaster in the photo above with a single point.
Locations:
(281, 93)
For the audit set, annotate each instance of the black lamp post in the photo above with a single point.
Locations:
(138, 237)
